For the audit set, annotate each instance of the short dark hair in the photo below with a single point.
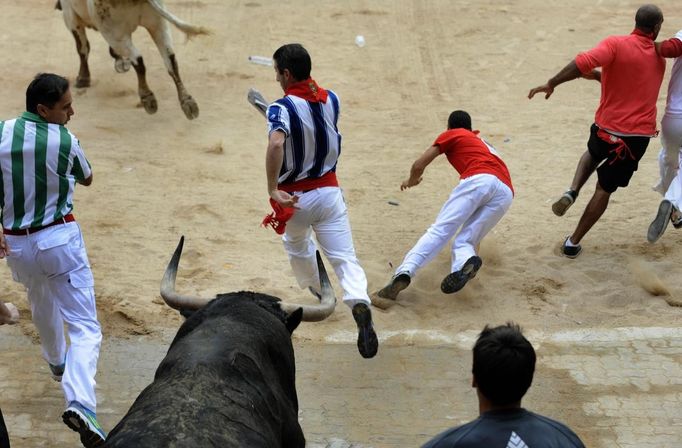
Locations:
(46, 89)
(504, 363)
(294, 58)
(647, 17)
(459, 119)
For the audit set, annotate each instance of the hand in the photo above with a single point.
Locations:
(546, 88)
(410, 183)
(4, 247)
(284, 199)
(13, 317)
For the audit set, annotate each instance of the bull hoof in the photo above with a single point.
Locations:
(82, 82)
(190, 107)
(149, 103)
(122, 65)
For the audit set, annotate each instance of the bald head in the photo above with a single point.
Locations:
(649, 19)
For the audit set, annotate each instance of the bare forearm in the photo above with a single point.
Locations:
(568, 73)
(416, 172)
(273, 164)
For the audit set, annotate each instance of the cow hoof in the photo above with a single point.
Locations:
(82, 82)
(190, 108)
(149, 103)
(122, 65)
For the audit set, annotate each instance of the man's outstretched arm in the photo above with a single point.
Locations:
(568, 73)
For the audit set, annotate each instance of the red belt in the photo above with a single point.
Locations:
(30, 230)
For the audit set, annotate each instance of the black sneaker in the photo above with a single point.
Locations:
(660, 222)
(398, 283)
(564, 202)
(368, 344)
(455, 281)
(570, 251)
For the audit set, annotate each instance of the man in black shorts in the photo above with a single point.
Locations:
(630, 78)
(621, 156)
(504, 363)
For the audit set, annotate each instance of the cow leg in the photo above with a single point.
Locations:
(120, 65)
(126, 50)
(77, 27)
(161, 35)
(146, 95)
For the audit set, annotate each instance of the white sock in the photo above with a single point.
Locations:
(570, 243)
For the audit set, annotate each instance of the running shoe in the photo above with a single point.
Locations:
(564, 202)
(660, 222)
(368, 344)
(455, 281)
(84, 421)
(399, 282)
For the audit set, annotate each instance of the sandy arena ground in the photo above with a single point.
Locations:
(605, 324)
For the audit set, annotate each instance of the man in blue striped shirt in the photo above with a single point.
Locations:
(303, 149)
(40, 163)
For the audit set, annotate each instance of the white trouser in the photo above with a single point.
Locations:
(323, 211)
(670, 183)
(53, 266)
(476, 204)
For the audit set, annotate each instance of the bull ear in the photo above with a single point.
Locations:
(293, 320)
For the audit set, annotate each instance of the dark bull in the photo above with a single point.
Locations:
(228, 379)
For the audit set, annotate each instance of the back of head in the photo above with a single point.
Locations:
(46, 89)
(648, 18)
(294, 58)
(504, 363)
(459, 119)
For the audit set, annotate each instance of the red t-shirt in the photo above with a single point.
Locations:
(631, 77)
(469, 154)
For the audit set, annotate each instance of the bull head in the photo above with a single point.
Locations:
(310, 313)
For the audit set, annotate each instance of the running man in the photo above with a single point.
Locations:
(669, 158)
(303, 149)
(478, 203)
(623, 124)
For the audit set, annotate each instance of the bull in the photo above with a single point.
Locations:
(116, 20)
(228, 379)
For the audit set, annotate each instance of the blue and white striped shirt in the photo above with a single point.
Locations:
(313, 142)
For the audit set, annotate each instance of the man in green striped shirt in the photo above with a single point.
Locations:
(40, 163)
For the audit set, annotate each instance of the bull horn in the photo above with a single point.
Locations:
(172, 298)
(314, 313)
(311, 313)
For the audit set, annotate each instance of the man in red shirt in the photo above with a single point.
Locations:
(631, 77)
(476, 205)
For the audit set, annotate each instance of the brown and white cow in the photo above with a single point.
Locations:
(116, 20)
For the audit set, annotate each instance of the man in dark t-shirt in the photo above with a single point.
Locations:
(504, 363)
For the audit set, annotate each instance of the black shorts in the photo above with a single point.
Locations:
(617, 163)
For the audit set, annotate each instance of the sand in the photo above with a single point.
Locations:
(157, 177)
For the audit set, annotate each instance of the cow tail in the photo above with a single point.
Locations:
(188, 29)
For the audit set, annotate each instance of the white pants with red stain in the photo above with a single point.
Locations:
(669, 160)
(323, 211)
(475, 205)
(53, 266)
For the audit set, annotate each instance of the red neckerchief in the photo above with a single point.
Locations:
(278, 219)
(308, 90)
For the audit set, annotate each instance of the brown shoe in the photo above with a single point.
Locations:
(398, 283)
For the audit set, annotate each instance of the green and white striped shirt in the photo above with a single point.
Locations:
(40, 163)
